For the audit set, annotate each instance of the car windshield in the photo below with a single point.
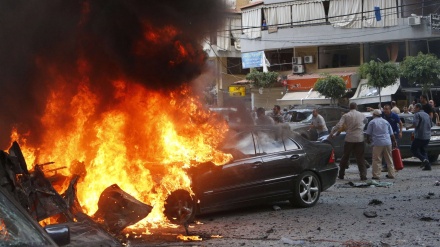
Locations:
(16, 229)
(301, 116)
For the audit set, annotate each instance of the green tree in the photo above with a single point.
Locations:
(423, 69)
(262, 79)
(379, 74)
(331, 86)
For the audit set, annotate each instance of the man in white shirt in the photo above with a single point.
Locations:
(318, 123)
(394, 108)
(354, 123)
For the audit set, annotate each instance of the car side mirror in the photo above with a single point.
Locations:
(59, 233)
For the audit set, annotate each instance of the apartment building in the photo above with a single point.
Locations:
(305, 38)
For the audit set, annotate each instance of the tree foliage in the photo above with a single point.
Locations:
(379, 74)
(331, 86)
(262, 79)
(423, 69)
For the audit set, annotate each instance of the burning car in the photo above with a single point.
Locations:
(268, 165)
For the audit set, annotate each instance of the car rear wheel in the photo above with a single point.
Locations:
(433, 158)
(306, 190)
(180, 207)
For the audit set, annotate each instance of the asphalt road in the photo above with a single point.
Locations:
(405, 213)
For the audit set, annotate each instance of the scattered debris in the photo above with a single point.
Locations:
(437, 183)
(270, 230)
(285, 240)
(371, 183)
(429, 219)
(117, 209)
(276, 208)
(375, 202)
(370, 214)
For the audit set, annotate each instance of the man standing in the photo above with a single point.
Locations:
(422, 135)
(394, 108)
(276, 114)
(426, 107)
(262, 119)
(436, 113)
(381, 136)
(318, 123)
(396, 125)
(354, 122)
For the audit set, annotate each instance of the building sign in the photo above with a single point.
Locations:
(435, 22)
(252, 59)
(307, 82)
(237, 91)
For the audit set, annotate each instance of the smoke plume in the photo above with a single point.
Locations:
(154, 43)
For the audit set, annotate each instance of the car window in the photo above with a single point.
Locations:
(16, 229)
(269, 142)
(300, 116)
(240, 146)
(407, 121)
(290, 144)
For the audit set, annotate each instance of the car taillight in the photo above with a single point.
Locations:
(332, 157)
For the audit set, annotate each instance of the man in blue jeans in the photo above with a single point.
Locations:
(422, 134)
(396, 125)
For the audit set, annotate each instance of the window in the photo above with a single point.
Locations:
(418, 46)
(385, 52)
(280, 60)
(234, 66)
(339, 56)
(240, 146)
(270, 142)
(290, 145)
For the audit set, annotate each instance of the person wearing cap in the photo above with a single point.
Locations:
(422, 134)
(354, 122)
(381, 136)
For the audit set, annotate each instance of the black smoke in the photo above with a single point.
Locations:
(37, 35)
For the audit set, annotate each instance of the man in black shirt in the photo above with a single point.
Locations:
(426, 107)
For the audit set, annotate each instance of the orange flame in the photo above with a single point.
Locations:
(4, 235)
(142, 142)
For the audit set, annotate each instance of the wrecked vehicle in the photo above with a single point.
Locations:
(268, 165)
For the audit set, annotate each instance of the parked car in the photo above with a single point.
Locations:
(433, 148)
(301, 118)
(268, 165)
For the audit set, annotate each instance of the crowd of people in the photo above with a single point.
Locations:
(383, 132)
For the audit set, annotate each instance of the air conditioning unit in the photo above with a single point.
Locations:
(297, 69)
(297, 60)
(414, 20)
(308, 59)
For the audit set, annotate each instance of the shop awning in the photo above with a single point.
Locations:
(305, 82)
(366, 94)
(302, 98)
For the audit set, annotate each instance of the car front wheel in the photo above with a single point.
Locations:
(180, 207)
(306, 190)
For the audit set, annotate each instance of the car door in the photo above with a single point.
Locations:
(233, 183)
(282, 159)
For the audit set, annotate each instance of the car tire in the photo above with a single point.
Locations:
(306, 190)
(433, 158)
(180, 207)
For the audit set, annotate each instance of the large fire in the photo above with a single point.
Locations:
(141, 143)
(101, 88)
(139, 139)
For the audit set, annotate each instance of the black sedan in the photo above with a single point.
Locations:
(269, 164)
